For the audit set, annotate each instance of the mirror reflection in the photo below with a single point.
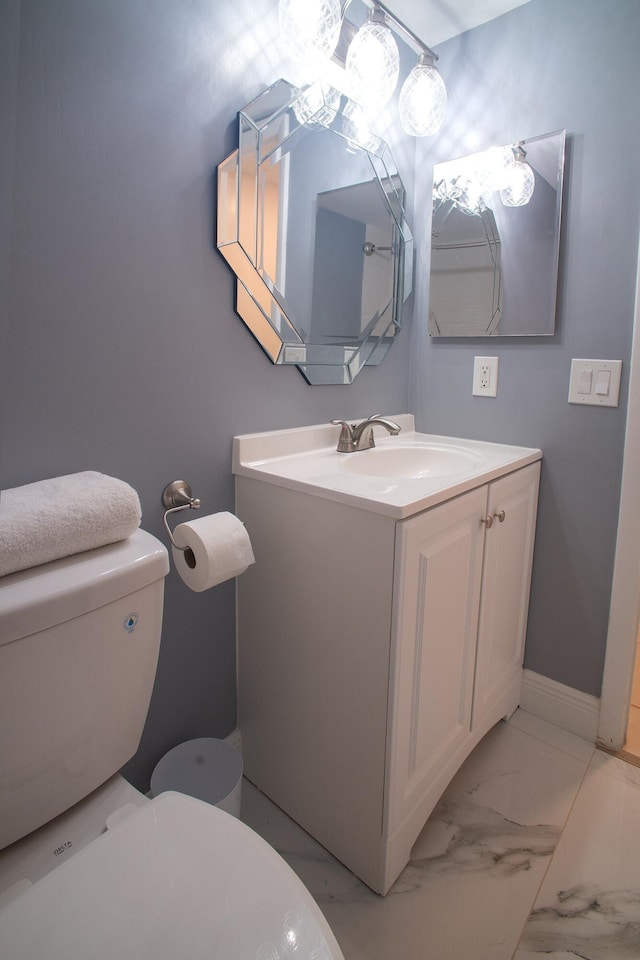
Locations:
(495, 240)
(311, 220)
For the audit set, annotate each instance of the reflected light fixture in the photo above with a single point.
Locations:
(520, 181)
(356, 128)
(491, 167)
(317, 105)
(470, 182)
(372, 60)
(311, 28)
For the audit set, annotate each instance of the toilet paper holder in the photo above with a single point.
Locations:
(177, 496)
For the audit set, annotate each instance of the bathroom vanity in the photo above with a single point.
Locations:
(381, 630)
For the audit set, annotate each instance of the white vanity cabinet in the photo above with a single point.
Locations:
(462, 577)
(374, 652)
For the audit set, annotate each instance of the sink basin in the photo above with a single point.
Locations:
(399, 477)
(412, 462)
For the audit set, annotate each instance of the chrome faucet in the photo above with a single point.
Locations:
(354, 437)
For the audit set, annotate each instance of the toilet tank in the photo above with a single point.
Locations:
(79, 642)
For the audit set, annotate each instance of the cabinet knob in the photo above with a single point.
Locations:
(488, 522)
(500, 515)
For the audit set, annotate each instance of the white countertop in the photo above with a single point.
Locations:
(305, 459)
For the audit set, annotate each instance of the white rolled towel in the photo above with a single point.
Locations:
(55, 518)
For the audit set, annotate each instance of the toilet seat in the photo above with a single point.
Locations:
(176, 878)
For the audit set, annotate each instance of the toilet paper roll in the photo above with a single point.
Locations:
(218, 548)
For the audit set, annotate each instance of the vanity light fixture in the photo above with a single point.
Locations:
(373, 62)
(311, 28)
(423, 99)
(370, 57)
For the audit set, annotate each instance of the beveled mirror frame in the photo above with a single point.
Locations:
(271, 123)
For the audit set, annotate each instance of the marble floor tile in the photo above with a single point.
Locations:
(553, 735)
(475, 869)
(589, 904)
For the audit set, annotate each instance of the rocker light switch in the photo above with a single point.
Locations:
(596, 382)
(603, 382)
(584, 381)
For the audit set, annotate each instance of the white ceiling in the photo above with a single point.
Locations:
(437, 20)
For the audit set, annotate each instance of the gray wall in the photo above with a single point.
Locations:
(124, 353)
(552, 64)
(9, 30)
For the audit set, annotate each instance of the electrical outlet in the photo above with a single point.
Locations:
(485, 377)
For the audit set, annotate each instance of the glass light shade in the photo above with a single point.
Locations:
(310, 28)
(423, 101)
(472, 200)
(521, 185)
(373, 65)
(494, 166)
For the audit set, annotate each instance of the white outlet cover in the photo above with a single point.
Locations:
(485, 377)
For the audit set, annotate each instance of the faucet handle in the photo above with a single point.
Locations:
(345, 440)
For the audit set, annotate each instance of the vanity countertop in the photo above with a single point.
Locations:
(400, 477)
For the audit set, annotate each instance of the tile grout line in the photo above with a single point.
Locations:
(555, 746)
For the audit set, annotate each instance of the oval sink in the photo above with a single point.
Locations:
(411, 462)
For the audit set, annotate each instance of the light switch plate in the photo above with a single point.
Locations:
(595, 382)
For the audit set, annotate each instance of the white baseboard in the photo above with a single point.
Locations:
(235, 739)
(556, 703)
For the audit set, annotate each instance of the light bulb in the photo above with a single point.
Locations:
(471, 200)
(520, 187)
(373, 65)
(311, 28)
(494, 166)
(423, 100)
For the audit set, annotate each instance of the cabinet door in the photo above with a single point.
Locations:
(504, 603)
(437, 588)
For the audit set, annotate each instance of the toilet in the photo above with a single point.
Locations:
(88, 865)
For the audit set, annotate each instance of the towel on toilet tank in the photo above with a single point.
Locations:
(55, 518)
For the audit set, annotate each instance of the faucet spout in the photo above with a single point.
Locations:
(354, 437)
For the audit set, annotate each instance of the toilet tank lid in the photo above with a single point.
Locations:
(44, 596)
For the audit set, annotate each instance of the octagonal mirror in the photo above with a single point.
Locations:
(311, 219)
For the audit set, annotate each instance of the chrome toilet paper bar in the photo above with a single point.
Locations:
(177, 496)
